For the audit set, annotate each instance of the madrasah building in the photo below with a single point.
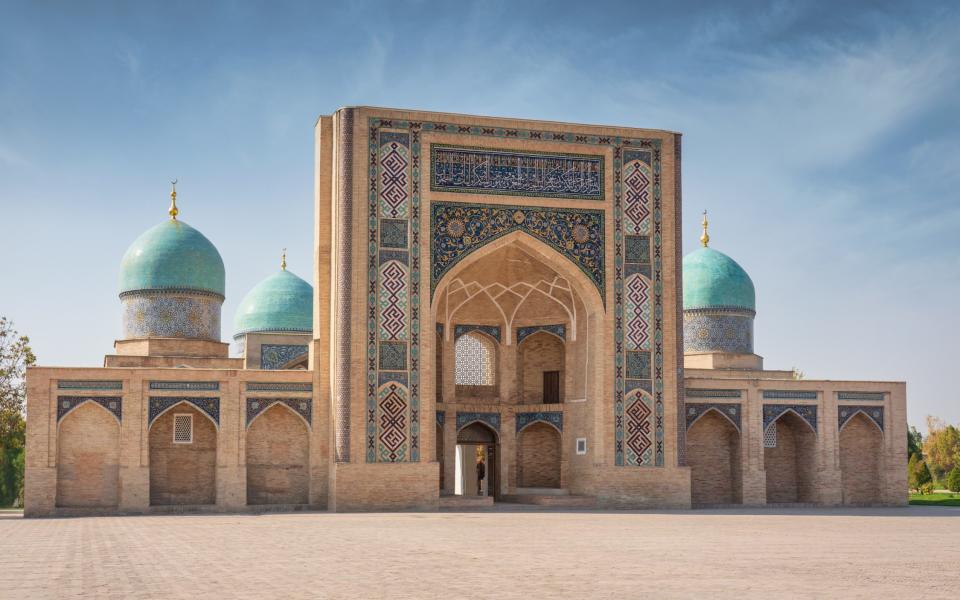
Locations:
(499, 312)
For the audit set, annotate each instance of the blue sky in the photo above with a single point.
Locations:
(824, 138)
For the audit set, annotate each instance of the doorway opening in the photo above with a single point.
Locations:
(477, 457)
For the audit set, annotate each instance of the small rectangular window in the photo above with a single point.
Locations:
(182, 429)
(581, 446)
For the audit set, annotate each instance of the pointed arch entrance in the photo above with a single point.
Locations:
(861, 444)
(477, 456)
(713, 454)
(790, 445)
(183, 457)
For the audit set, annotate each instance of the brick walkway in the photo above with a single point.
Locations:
(907, 553)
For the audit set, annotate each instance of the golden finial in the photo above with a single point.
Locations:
(705, 238)
(174, 211)
(283, 260)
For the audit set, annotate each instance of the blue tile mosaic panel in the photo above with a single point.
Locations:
(491, 330)
(872, 412)
(695, 410)
(717, 332)
(871, 396)
(540, 174)
(88, 384)
(711, 393)
(789, 395)
(65, 404)
(459, 229)
(554, 418)
(301, 406)
(275, 356)
(441, 417)
(197, 386)
(258, 386)
(171, 315)
(159, 404)
(559, 330)
(772, 412)
(491, 419)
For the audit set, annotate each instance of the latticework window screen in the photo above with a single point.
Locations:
(474, 360)
(183, 429)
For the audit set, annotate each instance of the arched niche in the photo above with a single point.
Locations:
(539, 457)
(790, 461)
(861, 446)
(277, 452)
(183, 473)
(713, 455)
(88, 458)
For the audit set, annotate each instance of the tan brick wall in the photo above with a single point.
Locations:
(183, 473)
(538, 353)
(386, 486)
(278, 458)
(790, 465)
(713, 455)
(860, 455)
(88, 458)
(538, 456)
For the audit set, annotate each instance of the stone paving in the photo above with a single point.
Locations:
(867, 553)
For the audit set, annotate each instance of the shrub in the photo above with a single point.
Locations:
(917, 473)
(953, 479)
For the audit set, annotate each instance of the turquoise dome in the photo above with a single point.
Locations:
(711, 279)
(172, 256)
(281, 302)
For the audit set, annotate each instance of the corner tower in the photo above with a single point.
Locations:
(719, 306)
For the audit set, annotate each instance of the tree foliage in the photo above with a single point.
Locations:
(953, 479)
(918, 473)
(941, 449)
(914, 442)
(15, 357)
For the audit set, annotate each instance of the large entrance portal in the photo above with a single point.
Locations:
(476, 462)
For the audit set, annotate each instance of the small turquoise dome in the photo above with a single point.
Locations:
(172, 256)
(711, 279)
(281, 302)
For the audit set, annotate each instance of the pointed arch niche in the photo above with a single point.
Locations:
(518, 282)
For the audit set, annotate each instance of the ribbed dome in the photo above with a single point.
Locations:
(711, 279)
(281, 302)
(172, 256)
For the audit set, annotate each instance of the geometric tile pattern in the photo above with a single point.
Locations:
(625, 151)
(276, 356)
(540, 174)
(393, 297)
(695, 410)
(772, 412)
(558, 330)
(845, 413)
(181, 315)
(158, 404)
(490, 418)
(554, 418)
(196, 386)
(638, 313)
(88, 384)
(259, 386)
(729, 332)
(65, 404)
(301, 406)
(705, 393)
(638, 308)
(459, 229)
(392, 424)
(491, 330)
(872, 396)
(789, 395)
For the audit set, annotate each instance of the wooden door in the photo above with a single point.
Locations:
(551, 387)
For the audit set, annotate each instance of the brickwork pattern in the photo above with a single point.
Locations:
(88, 458)
(538, 456)
(713, 455)
(183, 473)
(861, 444)
(790, 465)
(278, 458)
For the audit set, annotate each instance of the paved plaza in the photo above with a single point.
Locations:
(810, 553)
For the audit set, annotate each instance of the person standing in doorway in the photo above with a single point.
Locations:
(481, 473)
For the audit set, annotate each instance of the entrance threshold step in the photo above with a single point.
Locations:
(557, 500)
(457, 502)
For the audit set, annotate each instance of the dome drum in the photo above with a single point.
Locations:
(152, 314)
(718, 331)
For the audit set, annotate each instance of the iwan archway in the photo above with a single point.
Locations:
(520, 332)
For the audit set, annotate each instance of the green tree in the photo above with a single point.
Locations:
(15, 357)
(914, 442)
(917, 473)
(941, 449)
(953, 479)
